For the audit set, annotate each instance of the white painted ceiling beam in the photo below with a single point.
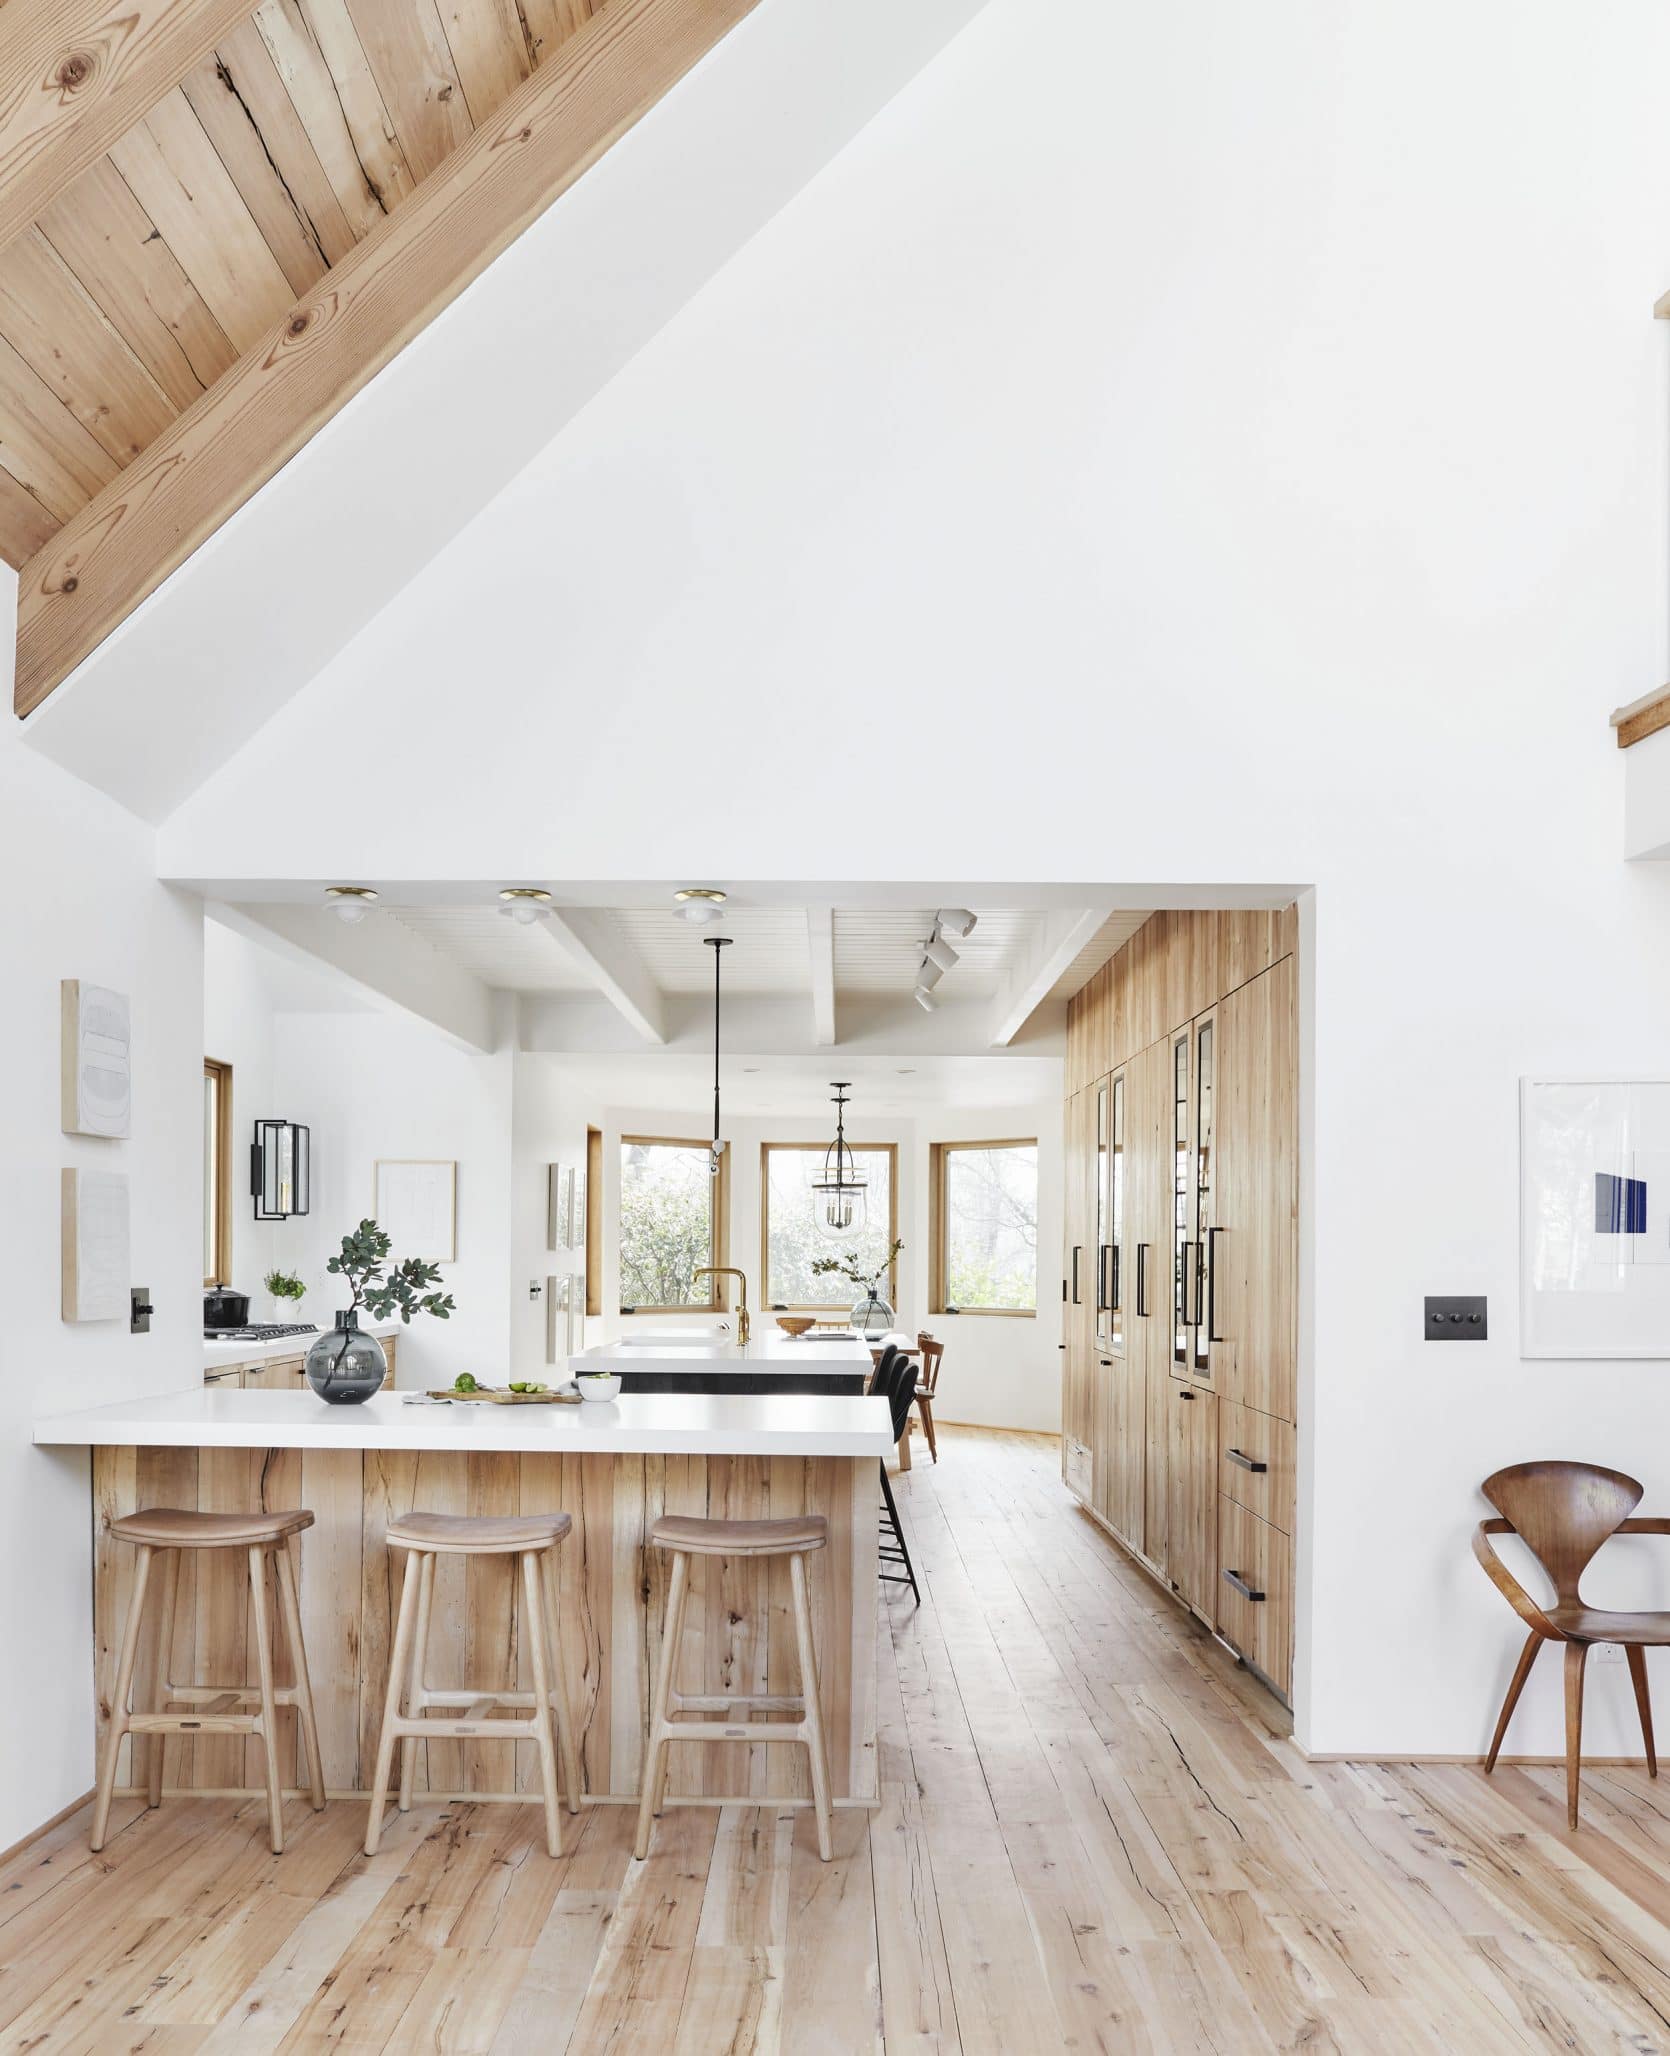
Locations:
(820, 942)
(1034, 977)
(619, 975)
(382, 962)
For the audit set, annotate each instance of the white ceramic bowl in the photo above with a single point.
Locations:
(598, 1385)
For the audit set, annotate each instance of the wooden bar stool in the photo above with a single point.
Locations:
(165, 1531)
(424, 1536)
(686, 1537)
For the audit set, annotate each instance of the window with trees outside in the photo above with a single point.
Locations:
(672, 1222)
(789, 1237)
(984, 1228)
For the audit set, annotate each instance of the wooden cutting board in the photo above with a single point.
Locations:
(493, 1397)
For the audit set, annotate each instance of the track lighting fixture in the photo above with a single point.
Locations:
(924, 999)
(957, 921)
(939, 952)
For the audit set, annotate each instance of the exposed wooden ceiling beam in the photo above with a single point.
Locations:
(618, 974)
(123, 544)
(820, 938)
(1032, 981)
(75, 74)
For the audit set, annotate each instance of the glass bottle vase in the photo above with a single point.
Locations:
(345, 1365)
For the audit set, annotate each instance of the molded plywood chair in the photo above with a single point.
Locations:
(1563, 1513)
(927, 1387)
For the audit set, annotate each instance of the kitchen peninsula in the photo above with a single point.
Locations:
(615, 1468)
(697, 1360)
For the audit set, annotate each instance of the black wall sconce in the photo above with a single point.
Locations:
(280, 1170)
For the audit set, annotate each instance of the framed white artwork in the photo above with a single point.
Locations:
(576, 1315)
(96, 1063)
(559, 1205)
(94, 1235)
(415, 1203)
(577, 1211)
(559, 1301)
(1594, 1217)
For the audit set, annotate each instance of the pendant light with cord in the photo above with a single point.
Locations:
(841, 1201)
(716, 943)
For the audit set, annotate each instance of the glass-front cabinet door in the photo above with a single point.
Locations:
(1194, 1058)
(1114, 1256)
(1104, 1131)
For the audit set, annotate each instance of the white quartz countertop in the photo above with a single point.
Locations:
(770, 1350)
(637, 1423)
(215, 1354)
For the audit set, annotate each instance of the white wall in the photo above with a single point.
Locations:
(1000, 1373)
(80, 900)
(239, 1021)
(1254, 468)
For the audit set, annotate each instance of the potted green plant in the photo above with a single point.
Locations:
(871, 1315)
(286, 1291)
(346, 1365)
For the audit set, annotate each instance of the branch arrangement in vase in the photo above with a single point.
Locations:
(401, 1291)
(848, 1267)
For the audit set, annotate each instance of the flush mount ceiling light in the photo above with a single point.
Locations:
(525, 904)
(699, 903)
(715, 1156)
(957, 921)
(350, 902)
(840, 1201)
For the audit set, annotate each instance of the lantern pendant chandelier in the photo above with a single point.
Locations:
(840, 1200)
(716, 943)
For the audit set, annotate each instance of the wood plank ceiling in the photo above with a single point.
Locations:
(212, 217)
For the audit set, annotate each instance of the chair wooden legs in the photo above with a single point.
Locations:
(399, 1656)
(925, 1407)
(566, 1742)
(165, 1649)
(1516, 1685)
(290, 1602)
(269, 1705)
(119, 1698)
(1638, 1678)
(533, 1600)
(420, 1670)
(814, 1711)
(1576, 1655)
(655, 1756)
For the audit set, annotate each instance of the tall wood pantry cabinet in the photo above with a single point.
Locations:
(1179, 1392)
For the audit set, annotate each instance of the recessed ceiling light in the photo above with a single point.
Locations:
(906, 1071)
(700, 903)
(350, 902)
(750, 1070)
(525, 904)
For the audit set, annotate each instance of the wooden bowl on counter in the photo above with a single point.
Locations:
(795, 1324)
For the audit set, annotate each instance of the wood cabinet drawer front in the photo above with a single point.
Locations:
(1255, 1592)
(1247, 1439)
(1077, 1467)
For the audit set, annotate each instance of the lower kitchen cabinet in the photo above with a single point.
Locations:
(1255, 1592)
(287, 1373)
(1257, 1461)
(1192, 1496)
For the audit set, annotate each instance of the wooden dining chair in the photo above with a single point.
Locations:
(1563, 1512)
(927, 1385)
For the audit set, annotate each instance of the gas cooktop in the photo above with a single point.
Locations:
(270, 1333)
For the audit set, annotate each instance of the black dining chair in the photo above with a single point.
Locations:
(895, 1382)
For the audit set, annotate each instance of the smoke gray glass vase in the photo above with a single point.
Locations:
(345, 1365)
(872, 1317)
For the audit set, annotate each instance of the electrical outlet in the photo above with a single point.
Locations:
(1456, 1318)
(1609, 1652)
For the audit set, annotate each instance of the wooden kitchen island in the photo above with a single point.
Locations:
(614, 1468)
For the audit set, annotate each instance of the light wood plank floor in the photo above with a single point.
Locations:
(1094, 1836)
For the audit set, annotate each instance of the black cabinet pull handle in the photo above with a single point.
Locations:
(1106, 1362)
(1200, 1285)
(1142, 1279)
(1077, 1253)
(1212, 1235)
(1103, 1299)
(1185, 1393)
(1247, 1463)
(1246, 1591)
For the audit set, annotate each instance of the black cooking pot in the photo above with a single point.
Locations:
(224, 1308)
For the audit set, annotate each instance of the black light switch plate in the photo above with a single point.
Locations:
(1456, 1317)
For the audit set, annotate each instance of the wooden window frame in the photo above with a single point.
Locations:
(222, 1201)
(939, 1221)
(833, 1306)
(594, 1220)
(720, 1223)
